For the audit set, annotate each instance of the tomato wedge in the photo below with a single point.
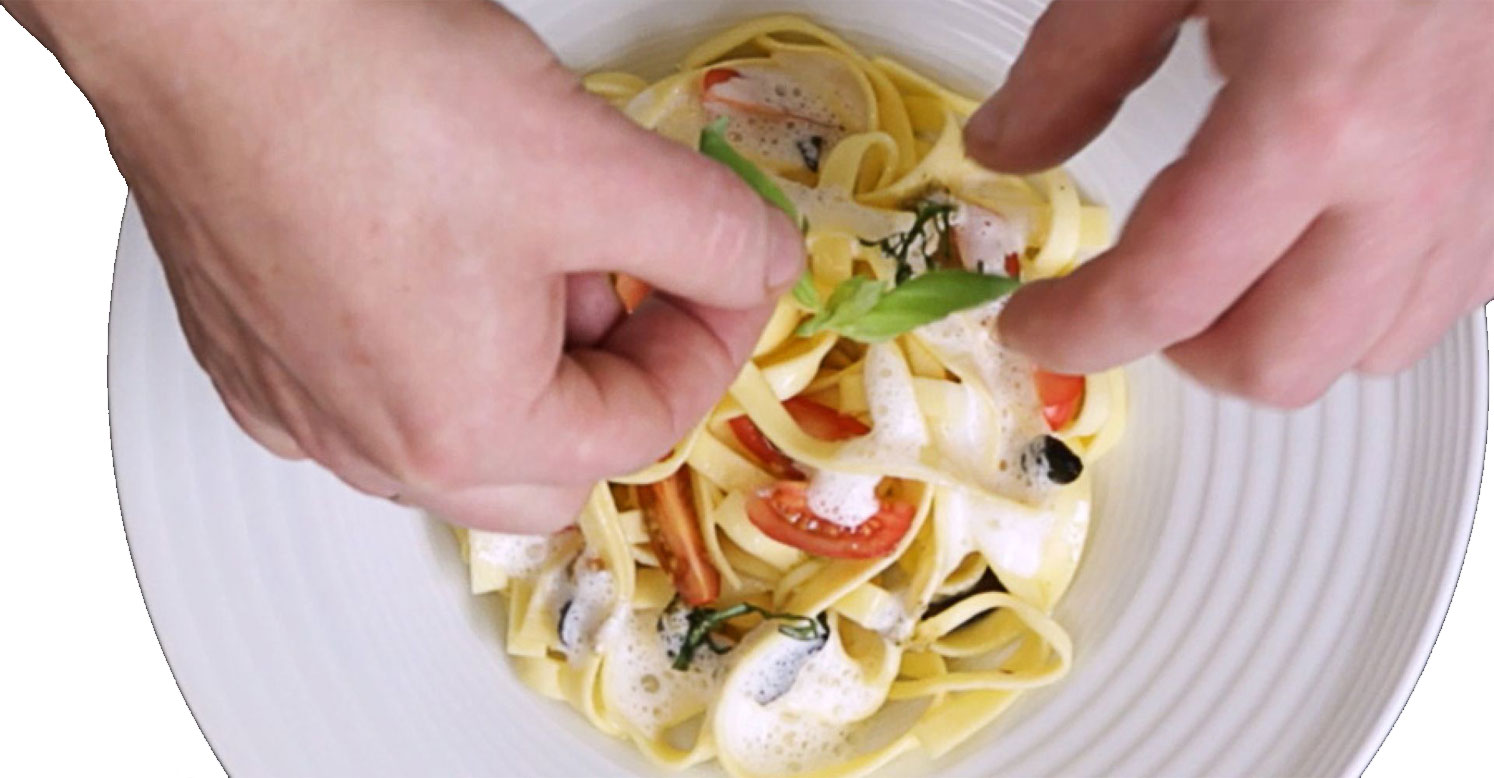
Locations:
(743, 98)
(818, 420)
(773, 460)
(630, 290)
(822, 421)
(674, 533)
(782, 513)
(1061, 396)
(716, 76)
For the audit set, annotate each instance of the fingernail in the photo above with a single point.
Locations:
(983, 133)
(1005, 330)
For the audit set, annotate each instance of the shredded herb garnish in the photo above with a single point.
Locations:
(862, 308)
(900, 245)
(704, 621)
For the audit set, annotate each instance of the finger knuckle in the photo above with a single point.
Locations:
(437, 458)
(1167, 314)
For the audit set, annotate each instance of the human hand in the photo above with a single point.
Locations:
(386, 227)
(1334, 212)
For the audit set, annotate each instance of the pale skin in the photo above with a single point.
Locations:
(387, 226)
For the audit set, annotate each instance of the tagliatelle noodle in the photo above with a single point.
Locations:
(922, 649)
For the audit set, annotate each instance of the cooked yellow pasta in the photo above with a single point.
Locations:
(857, 553)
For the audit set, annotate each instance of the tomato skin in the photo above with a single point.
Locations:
(716, 76)
(822, 421)
(816, 420)
(1061, 396)
(782, 513)
(674, 532)
(630, 291)
(774, 461)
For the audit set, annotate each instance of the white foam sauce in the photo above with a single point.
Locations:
(847, 499)
(581, 599)
(640, 684)
(892, 620)
(985, 238)
(988, 446)
(774, 88)
(805, 727)
(832, 210)
(593, 603)
(899, 433)
(1013, 541)
(791, 109)
(516, 556)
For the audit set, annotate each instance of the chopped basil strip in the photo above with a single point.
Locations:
(702, 622)
(900, 245)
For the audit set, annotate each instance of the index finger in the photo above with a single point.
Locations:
(1208, 226)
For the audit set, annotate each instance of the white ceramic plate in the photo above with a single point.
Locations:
(1259, 595)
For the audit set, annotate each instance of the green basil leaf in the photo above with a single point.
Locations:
(850, 301)
(924, 299)
(805, 294)
(861, 296)
(713, 144)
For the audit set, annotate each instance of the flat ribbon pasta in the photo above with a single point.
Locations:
(836, 665)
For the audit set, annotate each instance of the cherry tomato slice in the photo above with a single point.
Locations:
(773, 460)
(782, 513)
(674, 533)
(716, 76)
(630, 290)
(815, 419)
(822, 421)
(1061, 396)
(745, 102)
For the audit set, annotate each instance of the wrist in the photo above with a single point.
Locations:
(102, 45)
(137, 54)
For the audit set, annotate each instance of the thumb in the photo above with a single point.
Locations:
(624, 402)
(1079, 64)
(683, 223)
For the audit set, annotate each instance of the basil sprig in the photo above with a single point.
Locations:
(704, 621)
(862, 308)
(713, 144)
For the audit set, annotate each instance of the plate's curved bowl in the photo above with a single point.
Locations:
(1259, 594)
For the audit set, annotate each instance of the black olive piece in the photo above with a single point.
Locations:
(1049, 457)
(672, 625)
(810, 150)
(1064, 466)
(819, 643)
(566, 639)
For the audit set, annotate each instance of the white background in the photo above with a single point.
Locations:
(84, 688)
